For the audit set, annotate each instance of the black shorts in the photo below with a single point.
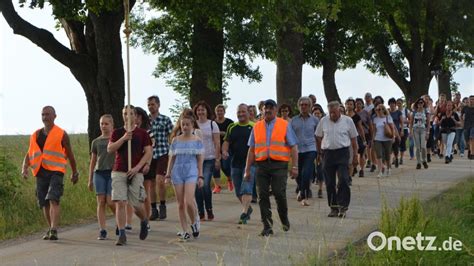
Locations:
(49, 186)
(151, 175)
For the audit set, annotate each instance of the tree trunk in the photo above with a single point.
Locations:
(95, 58)
(207, 53)
(289, 64)
(444, 84)
(329, 61)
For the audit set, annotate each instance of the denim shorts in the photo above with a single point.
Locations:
(103, 182)
(469, 134)
(243, 187)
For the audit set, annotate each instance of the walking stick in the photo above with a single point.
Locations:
(127, 31)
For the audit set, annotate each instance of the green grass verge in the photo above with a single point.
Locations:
(448, 215)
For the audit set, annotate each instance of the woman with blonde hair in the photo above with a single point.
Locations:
(383, 137)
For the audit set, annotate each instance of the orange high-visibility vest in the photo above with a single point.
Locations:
(53, 156)
(278, 150)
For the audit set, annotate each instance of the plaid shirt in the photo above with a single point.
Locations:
(161, 128)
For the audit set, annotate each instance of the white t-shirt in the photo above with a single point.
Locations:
(379, 123)
(369, 108)
(336, 135)
(207, 140)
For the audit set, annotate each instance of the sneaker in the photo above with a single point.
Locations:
(396, 162)
(154, 215)
(128, 227)
(102, 235)
(148, 227)
(320, 194)
(195, 229)
(425, 165)
(266, 232)
(230, 185)
(361, 173)
(143, 229)
(180, 234)
(388, 172)
(446, 160)
(243, 218)
(372, 168)
(210, 215)
(299, 197)
(121, 240)
(333, 213)
(380, 174)
(462, 155)
(342, 212)
(418, 166)
(53, 234)
(455, 151)
(428, 158)
(450, 158)
(369, 163)
(400, 162)
(184, 237)
(162, 215)
(46, 235)
(249, 212)
(216, 190)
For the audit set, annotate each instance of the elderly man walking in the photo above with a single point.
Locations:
(335, 135)
(47, 156)
(271, 144)
(305, 125)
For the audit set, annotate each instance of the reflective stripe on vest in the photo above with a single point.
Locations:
(278, 150)
(53, 157)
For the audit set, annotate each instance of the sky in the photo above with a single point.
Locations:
(31, 79)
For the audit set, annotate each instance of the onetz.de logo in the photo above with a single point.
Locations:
(377, 241)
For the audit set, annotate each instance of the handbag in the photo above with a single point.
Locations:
(387, 129)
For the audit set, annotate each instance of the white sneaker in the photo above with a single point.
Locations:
(462, 154)
(388, 172)
(380, 175)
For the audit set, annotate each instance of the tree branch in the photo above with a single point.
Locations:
(397, 35)
(43, 38)
(382, 50)
(75, 33)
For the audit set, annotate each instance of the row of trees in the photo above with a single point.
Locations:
(199, 44)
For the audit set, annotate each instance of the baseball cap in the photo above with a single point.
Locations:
(270, 102)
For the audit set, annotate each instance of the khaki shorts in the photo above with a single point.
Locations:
(133, 193)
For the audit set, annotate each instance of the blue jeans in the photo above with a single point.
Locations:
(305, 172)
(241, 186)
(204, 194)
(459, 140)
(225, 167)
(411, 140)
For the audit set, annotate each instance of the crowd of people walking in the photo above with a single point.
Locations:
(257, 155)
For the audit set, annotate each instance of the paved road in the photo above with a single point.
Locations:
(222, 242)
